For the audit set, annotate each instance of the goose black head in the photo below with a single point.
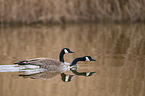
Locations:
(67, 50)
(89, 58)
(64, 51)
(85, 58)
(87, 74)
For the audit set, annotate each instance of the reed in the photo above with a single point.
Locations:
(61, 11)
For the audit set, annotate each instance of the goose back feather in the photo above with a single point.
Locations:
(47, 63)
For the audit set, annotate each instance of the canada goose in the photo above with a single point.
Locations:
(61, 58)
(85, 58)
(53, 67)
(64, 51)
(48, 62)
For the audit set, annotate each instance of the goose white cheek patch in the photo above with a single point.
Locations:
(65, 51)
(87, 74)
(87, 59)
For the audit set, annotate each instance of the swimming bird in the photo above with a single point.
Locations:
(61, 58)
(53, 64)
(53, 67)
(85, 58)
(64, 51)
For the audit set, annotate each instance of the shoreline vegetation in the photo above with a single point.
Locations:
(71, 11)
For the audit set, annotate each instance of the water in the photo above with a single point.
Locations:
(118, 48)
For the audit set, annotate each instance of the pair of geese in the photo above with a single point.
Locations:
(53, 64)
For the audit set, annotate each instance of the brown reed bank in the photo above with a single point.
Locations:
(61, 11)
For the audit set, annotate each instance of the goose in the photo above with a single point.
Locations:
(85, 58)
(48, 62)
(52, 63)
(61, 59)
(53, 67)
(64, 51)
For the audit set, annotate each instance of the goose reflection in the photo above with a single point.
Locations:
(42, 73)
(47, 74)
(51, 72)
(67, 78)
(87, 74)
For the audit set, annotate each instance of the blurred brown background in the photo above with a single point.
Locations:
(61, 11)
(119, 48)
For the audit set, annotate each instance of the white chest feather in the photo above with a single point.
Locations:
(87, 59)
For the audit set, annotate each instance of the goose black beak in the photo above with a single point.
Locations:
(93, 59)
(71, 52)
(93, 72)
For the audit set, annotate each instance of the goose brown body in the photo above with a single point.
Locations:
(47, 63)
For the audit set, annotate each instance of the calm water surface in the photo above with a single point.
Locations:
(118, 49)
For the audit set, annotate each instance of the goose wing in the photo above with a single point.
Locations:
(43, 62)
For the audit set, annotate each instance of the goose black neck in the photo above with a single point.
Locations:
(76, 60)
(61, 56)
